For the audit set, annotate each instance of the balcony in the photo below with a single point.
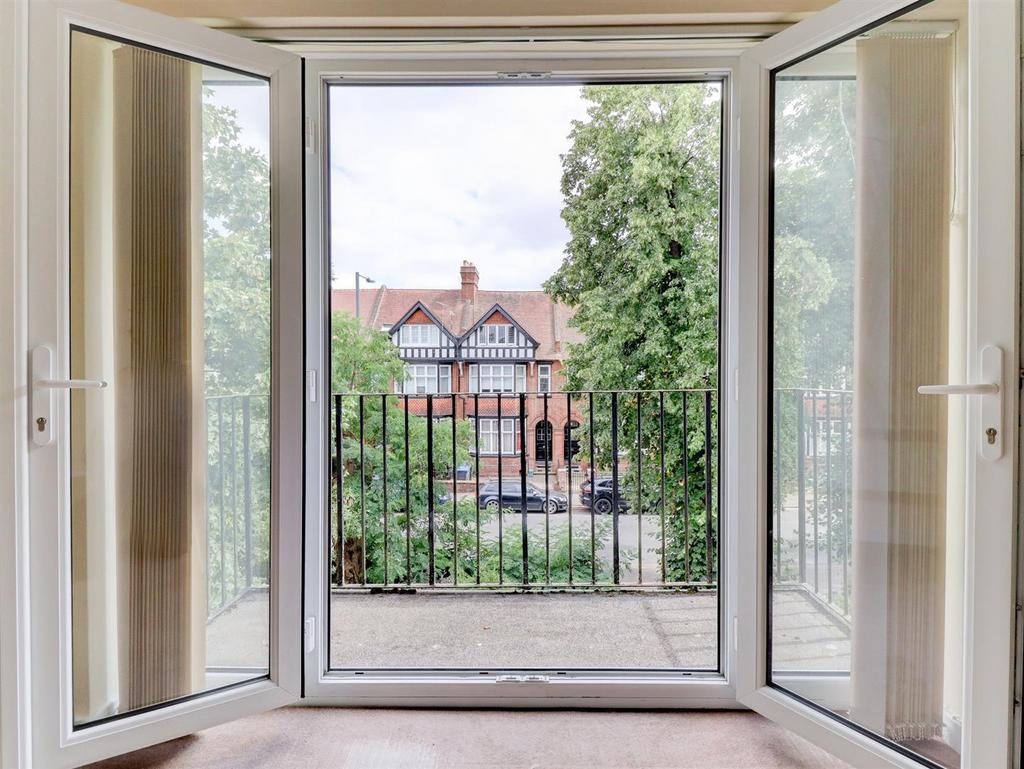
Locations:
(451, 578)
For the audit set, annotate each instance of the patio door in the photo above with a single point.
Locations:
(878, 204)
(164, 255)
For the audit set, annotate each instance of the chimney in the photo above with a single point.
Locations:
(470, 280)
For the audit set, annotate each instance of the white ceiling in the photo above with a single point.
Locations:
(478, 13)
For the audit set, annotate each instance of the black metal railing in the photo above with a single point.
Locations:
(237, 498)
(811, 505)
(467, 491)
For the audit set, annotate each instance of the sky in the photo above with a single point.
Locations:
(424, 177)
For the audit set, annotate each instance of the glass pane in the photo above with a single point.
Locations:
(869, 265)
(170, 303)
(566, 240)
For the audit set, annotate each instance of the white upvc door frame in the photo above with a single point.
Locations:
(42, 720)
(994, 275)
(468, 688)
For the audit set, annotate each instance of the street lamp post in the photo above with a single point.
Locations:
(368, 280)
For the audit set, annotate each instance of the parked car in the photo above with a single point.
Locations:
(511, 498)
(600, 501)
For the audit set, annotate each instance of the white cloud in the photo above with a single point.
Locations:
(423, 177)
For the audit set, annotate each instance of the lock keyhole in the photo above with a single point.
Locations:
(41, 424)
(990, 434)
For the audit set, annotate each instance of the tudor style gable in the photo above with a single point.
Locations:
(497, 336)
(419, 335)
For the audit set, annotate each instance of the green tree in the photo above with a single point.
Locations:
(814, 206)
(642, 194)
(236, 332)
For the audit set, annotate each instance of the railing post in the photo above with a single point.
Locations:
(408, 504)
(844, 458)
(801, 485)
(501, 503)
(340, 503)
(220, 501)
(661, 507)
(687, 551)
(814, 484)
(828, 493)
(234, 497)
(568, 472)
(476, 475)
(430, 489)
(549, 437)
(362, 486)
(522, 486)
(384, 475)
(455, 502)
(615, 487)
(709, 535)
(639, 494)
(247, 486)
(777, 534)
(593, 493)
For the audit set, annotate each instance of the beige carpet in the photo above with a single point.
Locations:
(307, 738)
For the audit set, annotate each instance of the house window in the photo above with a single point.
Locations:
(420, 335)
(497, 377)
(423, 378)
(544, 378)
(489, 436)
(493, 334)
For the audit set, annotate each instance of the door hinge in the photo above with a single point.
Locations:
(309, 135)
(311, 385)
(309, 634)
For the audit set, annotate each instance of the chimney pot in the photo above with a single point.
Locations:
(470, 280)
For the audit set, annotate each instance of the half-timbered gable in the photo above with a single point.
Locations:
(497, 336)
(421, 336)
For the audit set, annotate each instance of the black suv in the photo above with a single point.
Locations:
(512, 498)
(600, 501)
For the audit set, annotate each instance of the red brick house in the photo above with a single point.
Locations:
(478, 345)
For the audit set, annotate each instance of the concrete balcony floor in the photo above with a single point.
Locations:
(488, 630)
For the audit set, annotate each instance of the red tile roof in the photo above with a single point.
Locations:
(544, 319)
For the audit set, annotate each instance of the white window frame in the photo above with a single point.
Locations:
(993, 250)
(491, 377)
(455, 62)
(489, 432)
(36, 719)
(421, 337)
(485, 330)
(544, 377)
(432, 375)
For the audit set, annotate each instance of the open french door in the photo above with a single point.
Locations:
(163, 301)
(878, 216)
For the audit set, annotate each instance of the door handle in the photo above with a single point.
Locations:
(990, 441)
(959, 389)
(71, 384)
(43, 385)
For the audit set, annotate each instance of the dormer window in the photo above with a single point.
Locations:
(495, 334)
(420, 335)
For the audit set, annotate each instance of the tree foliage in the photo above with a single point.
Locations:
(642, 195)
